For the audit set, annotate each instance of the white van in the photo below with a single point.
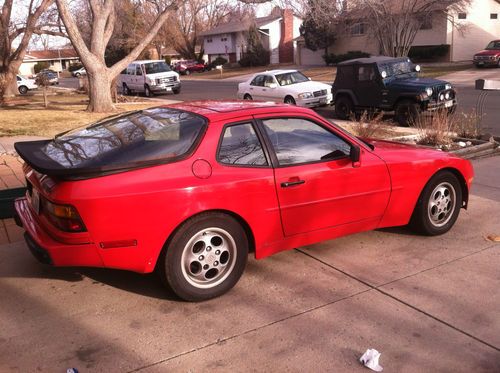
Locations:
(150, 77)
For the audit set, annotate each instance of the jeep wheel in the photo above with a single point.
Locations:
(343, 107)
(407, 113)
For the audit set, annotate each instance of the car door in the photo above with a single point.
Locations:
(317, 184)
(270, 91)
(368, 86)
(256, 87)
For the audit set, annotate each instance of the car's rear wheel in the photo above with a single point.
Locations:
(289, 100)
(206, 257)
(125, 90)
(23, 89)
(343, 107)
(438, 206)
(247, 97)
(147, 91)
(407, 113)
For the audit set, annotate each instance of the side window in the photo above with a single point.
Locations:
(366, 73)
(138, 70)
(297, 140)
(258, 80)
(241, 146)
(131, 70)
(268, 80)
(18, 78)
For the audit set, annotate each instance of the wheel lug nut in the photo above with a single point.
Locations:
(201, 257)
(205, 267)
(209, 248)
(217, 252)
(216, 263)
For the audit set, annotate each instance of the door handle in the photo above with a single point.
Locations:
(288, 184)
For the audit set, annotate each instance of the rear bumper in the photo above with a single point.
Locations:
(48, 250)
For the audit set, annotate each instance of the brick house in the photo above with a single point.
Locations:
(278, 31)
(477, 26)
(58, 60)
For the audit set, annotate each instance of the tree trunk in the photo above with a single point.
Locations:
(8, 85)
(100, 92)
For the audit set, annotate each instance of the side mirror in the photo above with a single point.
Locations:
(273, 85)
(355, 153)
(417, 68)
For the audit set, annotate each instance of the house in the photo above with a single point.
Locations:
(463, 33)
(278, 31)
(58, 60)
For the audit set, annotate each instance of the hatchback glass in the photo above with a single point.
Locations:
(157, 134)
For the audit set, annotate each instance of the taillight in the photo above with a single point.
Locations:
(64, 217)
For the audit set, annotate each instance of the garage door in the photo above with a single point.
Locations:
(309, 57)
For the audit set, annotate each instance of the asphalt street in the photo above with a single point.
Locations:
(468, 97)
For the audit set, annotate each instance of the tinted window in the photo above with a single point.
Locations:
(241, 146)
(18, 78)
(291, 78)
(398, 68)
(268, 80)
(131, 70)
(258, 80)
(156, 67)
(152, 134)
(297, 140)
(138, 70)
(493, 45)
(366, 73)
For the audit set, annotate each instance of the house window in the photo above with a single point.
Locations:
(493, 15)
(209, 40)
(462, 15)
(223, 39)
(358, 29)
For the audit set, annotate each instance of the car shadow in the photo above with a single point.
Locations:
(402, 230)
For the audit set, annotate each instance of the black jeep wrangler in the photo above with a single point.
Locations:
(388, 84)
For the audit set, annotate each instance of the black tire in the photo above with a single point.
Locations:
(147, 91)
(125, 90)
(407, 112)
(438, 206)
(205, 257)
(22, 89)
(247, 97)
(289, 100)
(176, 91)
(343, 107)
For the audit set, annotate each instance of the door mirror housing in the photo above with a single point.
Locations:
(355, 153)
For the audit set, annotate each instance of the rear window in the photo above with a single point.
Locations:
(157, 134)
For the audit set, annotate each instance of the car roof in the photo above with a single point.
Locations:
(214, 110)
(276, 71)
(371, 60)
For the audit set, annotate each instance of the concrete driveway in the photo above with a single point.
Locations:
(428, 304)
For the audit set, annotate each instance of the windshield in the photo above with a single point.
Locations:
(397, 68)
(156, 67)
(291, 78)
(493, 45)
(125, 140)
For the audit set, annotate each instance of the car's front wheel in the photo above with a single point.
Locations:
(407, 113)
(438, 206)
(125, 90)
(247, 97)
(23, 89)
(205, 257)
(289, 100)
(176, 91)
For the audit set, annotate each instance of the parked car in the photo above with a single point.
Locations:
(288, 86)
(490, 56)
(150, 77)
(188, 67)
(80, 72)
(51, 76)
(189, 189)
(388, 84)
(24, 84)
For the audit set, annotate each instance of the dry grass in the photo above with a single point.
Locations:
(372, 126)
(434, 71)
(29, 117)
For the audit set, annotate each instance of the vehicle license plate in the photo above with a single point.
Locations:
(35, 200)
(168, 89)
(448, 104)
(322, 100)
(480, 63)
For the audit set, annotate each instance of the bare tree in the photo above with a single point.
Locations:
(103, 17)
(11, 29)
(395, 23)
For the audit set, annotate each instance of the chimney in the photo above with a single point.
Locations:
(286, 42)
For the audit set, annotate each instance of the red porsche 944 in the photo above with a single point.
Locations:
(189, 189)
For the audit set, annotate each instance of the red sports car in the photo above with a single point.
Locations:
(190, 189)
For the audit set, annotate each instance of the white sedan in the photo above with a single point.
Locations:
(24, 84)
(288, 86)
